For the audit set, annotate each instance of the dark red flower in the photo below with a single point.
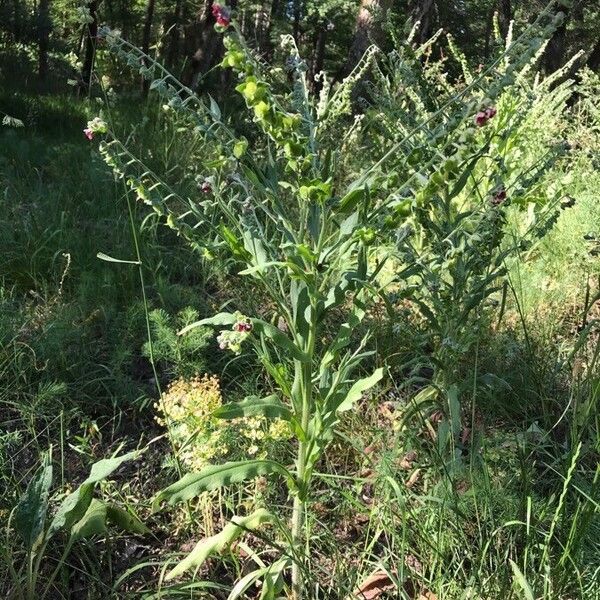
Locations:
(206, 187)
(490, 112)
(222, 14)
(483, 116)
(499, 197)
(481, 119)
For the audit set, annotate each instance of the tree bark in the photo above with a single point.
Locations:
(297, 15)
(368, 30)
(318, 61)
(207, 42)
(264, 20)
(44, 27)
(505, 16)
(91, 35)
(593, 61)
(173, 27)
(555, 52)
(146, 40)
(425, 11)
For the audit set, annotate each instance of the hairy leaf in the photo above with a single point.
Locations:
(30, 514)
(270, 407)
(215, 476)
(219, 542)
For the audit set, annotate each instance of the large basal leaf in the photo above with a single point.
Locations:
(30, 513)
(221, 541)
(216, 476)
(76, 504)
(252, 406)
(92, 523)
(72, 509)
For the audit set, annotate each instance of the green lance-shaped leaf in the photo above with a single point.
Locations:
(216, 476)
(99, 515)
(340, 402)
(221, 541)
(76, 504)
(92, 523)
(30, 513)
(124, 520)
(359, 387)
(272, 580)
(259, 327)
(252, 406)
(519, 578)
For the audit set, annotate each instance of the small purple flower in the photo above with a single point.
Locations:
(490, 112)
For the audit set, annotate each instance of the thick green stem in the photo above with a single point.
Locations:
(297, 526)
(299, 508)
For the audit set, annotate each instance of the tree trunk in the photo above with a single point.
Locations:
(489, 25)
(505, 16)
(297, 15)
(425, 11)
(44, 27)
(593, 61)
(173, 26)
(208, 43)
(555, 52)
(264, 20)
(318, 61)
(368, 30)
(146, 40)
(91, 34)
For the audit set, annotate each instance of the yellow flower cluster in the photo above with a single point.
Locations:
(187, 409)
(259, 431)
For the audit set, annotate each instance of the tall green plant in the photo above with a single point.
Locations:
(304, 237)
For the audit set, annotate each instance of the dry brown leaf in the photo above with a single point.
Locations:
(413, 478)
(407, 461)
(373, 586)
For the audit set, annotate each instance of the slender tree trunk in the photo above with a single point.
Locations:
(44, 29)
(146, 40)
(425, 11)
(593, 61)
(297, 16)
(173, 26)
(207, 42)
(91, 35)
(318, 60)
(264, 20)
(555, 52)
(368, 30)
(505, 16)
(489, 25)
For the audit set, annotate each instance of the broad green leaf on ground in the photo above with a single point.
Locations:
(76, 504)
(93, 521)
